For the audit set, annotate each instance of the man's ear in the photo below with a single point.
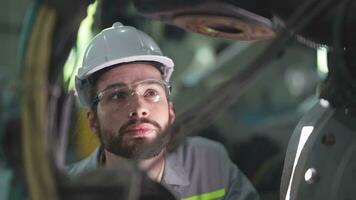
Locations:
(172, 114)
(92, 122)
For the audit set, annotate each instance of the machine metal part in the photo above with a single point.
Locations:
(320, 161)
(224, 26)
(239, 20)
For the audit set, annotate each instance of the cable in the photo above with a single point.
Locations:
(73, 71)
(60, 151)
(26, 29)
(40, 180)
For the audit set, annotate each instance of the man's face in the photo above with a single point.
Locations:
(124, 122)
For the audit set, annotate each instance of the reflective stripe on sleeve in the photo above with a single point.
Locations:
(208, 196)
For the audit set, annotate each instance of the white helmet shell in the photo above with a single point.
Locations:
(115, 45)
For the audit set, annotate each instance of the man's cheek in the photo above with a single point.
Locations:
(112, 121)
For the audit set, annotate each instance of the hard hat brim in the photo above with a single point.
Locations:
(167, 62)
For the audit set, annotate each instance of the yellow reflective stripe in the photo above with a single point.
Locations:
(208, 196)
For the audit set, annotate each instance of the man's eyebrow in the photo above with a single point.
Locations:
(121, 84)
(114, 85)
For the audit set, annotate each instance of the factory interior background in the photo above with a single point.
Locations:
(255, 129)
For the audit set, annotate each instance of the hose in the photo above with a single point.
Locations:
(39, 177)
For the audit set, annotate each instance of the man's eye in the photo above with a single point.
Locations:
(119, 95)
(151, 93)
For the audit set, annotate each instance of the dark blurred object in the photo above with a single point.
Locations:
(261, 159)
(212, 132)
(339, 88)
(174, 33)
(13, 158)
(237, 20)
(321, 29)
(111, 11)
(113, 184)
(67, 8)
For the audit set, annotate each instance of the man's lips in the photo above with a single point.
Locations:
(139, 130)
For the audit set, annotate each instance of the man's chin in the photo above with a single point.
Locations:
(139, 142)
(138, 148)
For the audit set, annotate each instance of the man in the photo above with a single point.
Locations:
(124, 81)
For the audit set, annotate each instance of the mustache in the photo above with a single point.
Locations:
(139, 121)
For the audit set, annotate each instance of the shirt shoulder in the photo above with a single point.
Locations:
(199, 161)
(202, 149)
(202, 142)
(203, 167)
(89, 163)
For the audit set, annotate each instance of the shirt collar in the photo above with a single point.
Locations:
(174, 172)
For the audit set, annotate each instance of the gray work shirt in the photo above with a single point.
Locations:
(199, 169)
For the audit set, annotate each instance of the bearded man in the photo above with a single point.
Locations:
(124, 81)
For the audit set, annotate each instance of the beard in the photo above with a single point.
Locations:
(134, 148)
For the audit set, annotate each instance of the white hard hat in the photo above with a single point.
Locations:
(115, 45)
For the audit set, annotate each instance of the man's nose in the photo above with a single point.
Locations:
(138, 107)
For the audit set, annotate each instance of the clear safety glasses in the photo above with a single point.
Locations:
(120, 95)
